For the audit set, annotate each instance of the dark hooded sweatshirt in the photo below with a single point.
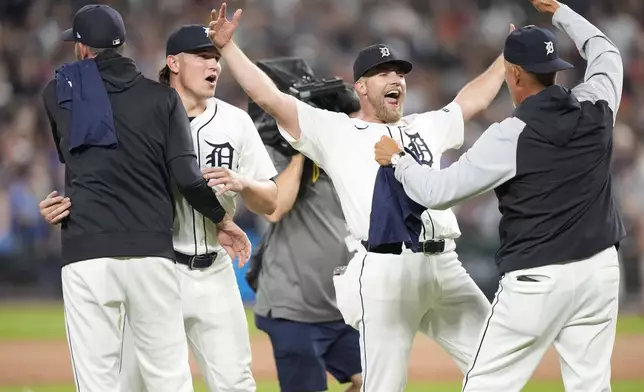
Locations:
(549, 165)
(559, 205)
(121, 195)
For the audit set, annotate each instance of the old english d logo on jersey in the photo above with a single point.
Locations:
(420, 149)
(221, 156)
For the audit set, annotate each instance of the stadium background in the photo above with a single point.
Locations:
(448, 41)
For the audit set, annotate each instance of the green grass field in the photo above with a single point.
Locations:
(45, 322)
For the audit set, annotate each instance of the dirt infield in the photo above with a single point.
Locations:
(33, 362)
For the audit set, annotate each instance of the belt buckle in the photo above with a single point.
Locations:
(426, 253)
(191, 263)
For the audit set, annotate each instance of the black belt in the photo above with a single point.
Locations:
(196, 262)
(429, 247)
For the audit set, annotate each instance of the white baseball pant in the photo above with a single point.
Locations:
(93, 293)
(389, 298)
(216, 330)
(571, 305)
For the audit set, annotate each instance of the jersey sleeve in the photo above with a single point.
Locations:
(321, 131)
(254, 161)
(443, 127)
(604, 75)
(490, 162)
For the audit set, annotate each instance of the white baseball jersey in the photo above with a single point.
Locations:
(344, 148)
(224, 136)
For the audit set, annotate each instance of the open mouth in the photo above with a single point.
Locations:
(212, 79)
(392, 97)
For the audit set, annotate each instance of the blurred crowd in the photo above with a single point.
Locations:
(449, 42)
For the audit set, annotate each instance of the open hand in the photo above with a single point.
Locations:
(385, 149)
(55, 208)
(225, 179)
(234, 241)
(546, 6)
(220, 29)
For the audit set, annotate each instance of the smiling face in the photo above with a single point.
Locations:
(197, 72)
(382, 92)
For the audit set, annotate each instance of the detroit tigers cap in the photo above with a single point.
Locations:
(98, 26)
(535, 50)
(375, 55)
(188, 38)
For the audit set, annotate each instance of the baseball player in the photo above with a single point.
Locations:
(124, 140)
(549, 165)
(235, 161)
(307, 240)
(388, 297)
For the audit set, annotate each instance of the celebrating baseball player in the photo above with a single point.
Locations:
(387, 294)
(549, 165)
(124, 140)
(235, 161)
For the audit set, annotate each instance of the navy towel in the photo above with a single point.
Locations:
(395, 218)
(80, 89)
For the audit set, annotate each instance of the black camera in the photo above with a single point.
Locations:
(294, 77)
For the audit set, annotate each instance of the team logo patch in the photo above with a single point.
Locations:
(420, 149)
(222, 155)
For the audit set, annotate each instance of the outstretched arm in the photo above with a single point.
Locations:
(489, 163)
(257, 85)
(478, 94)
(604, 76)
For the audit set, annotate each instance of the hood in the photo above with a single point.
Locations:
(119, 73)
(553, 114)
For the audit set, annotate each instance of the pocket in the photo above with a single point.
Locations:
(527, 298)
(345, 301)
(347, 296)
(525, 282)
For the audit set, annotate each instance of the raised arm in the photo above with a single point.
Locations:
(604, 76)
(478, 94)
(257, 85)
(489, 163)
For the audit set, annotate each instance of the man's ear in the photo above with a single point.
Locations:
(518, 75)
(360, 87)
(173, 64)
(83, 51)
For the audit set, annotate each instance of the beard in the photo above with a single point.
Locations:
(384, 112)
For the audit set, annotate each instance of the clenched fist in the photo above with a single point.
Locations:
(546, 6)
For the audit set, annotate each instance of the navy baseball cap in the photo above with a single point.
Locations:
(97, 26)
(188, 38)
(535, 50)
(375, 55)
